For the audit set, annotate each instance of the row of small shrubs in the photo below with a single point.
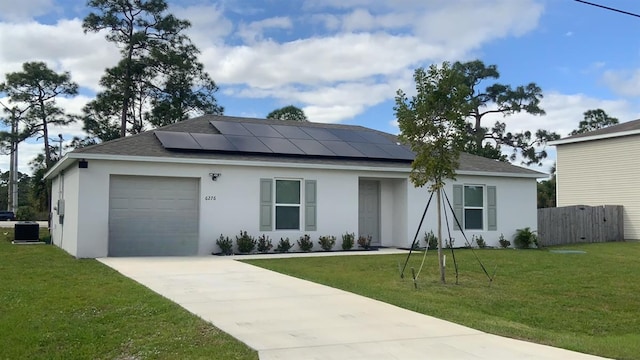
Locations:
(523, 239)
(247, 244)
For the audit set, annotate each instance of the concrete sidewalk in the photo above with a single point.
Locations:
(286, 318)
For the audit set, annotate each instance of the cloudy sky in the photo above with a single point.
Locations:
(342, 61)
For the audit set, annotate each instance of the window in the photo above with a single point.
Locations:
(473, 207)
(287, 204)
(284, 207)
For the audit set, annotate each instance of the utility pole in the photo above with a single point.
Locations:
(12, 191)
(13, 169)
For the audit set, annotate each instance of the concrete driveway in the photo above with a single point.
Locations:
(287, 318)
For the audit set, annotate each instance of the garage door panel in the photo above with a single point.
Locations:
(153, 216)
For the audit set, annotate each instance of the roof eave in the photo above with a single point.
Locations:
(571, 140)
(538, 175)
(70, 158)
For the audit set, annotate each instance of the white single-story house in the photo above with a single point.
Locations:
(601, 167)
(176, 189)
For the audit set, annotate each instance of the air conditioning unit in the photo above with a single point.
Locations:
(26, 231)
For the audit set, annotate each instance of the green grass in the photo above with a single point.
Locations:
(583, 302)
(53, 306)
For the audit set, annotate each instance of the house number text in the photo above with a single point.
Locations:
(209, 198)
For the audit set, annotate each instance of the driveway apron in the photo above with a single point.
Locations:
(286, 318)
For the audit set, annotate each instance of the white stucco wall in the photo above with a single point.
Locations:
(236, 204)
(516, 208)
(64, 233)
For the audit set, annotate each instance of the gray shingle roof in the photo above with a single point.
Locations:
(147, 145)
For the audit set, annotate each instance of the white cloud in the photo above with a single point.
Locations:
(63, 46)
(209, 26)
(254, 31)
(623, 82)
(11, 10)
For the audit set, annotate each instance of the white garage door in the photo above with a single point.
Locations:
(153, 216)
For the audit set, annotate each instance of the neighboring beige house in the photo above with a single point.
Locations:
(602, 167)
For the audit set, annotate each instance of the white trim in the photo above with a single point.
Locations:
(483, 208)
(593, 137)
(70, 158)
(298, 205)
(500, 174)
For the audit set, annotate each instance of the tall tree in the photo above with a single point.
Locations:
(594, 120)
(37, 86)
(158, 78)
(501, 99)
(433, 123)
(289, 113)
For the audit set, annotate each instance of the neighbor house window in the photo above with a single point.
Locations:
(287, 204)
(473, 207)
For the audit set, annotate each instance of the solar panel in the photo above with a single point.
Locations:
(372, 150)
(248, 144)
(312, 147)
(374, 137)
(177, 140)
(347, 135)
(262, 130)
(291, 132)
(213, 142)
(397, 152)
(230, 128)
(341, 148)
(281, 146)
(320, 134)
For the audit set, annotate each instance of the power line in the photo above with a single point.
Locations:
(608, 8)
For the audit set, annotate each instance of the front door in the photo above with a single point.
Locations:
(369, 210)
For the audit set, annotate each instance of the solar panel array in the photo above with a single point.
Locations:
(288, 140)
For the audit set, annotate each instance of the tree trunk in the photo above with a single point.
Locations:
(478, 134)
(127, 85)
(440, 252)
(45, 134)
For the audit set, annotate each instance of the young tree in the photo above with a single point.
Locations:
(37, 86)
(158, 78)
(500, 99)
(433, 124)
(289, 113)
(594, 120)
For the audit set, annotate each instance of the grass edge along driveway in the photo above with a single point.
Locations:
(586, 302)
(53, 306)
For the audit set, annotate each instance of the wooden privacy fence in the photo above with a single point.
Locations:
(580, 224)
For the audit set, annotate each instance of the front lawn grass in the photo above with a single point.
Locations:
(53, 306)
(584, 302)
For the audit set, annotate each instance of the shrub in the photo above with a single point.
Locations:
(305, 243)
(347, 241)
(264, 244)
(245, 242)
(431, 240)
(364, 242)
(225, 244)
(480, 241)
(26, 213)
(284, 245)
(46, 239)
(524, 238)
(327, 242)
(504, 243)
